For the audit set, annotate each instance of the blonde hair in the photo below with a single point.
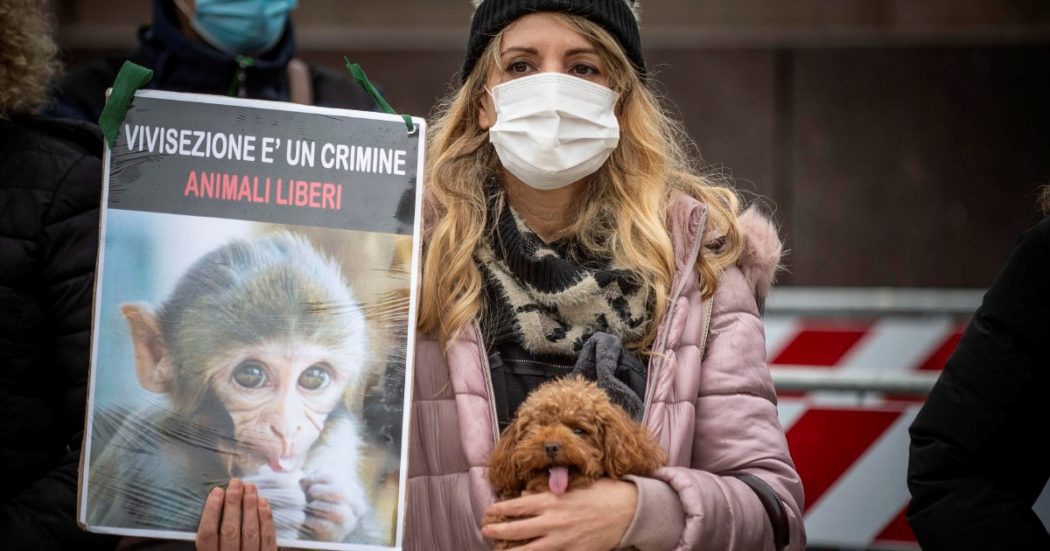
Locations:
(622, 211)
(27, 56)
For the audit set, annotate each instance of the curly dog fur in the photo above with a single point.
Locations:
(570, 423)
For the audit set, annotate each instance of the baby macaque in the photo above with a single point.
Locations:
(255, 351)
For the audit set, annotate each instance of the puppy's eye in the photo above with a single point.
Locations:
(579, 431)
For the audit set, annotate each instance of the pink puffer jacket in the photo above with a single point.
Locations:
(715, 416)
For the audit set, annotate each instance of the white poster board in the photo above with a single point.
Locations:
(255, 291)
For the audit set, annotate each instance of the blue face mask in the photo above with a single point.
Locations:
(247, 27)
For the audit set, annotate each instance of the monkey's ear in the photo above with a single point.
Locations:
(152, 363)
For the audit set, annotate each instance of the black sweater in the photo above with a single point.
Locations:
(975, 469)
(49, 199)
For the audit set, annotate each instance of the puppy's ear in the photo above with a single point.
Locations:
(505, 479)
(628, 447)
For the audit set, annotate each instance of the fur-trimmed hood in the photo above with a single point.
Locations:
(760, 259)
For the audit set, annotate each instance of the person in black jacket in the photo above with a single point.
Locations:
(49, 200)
(184, 60)
(975, 468)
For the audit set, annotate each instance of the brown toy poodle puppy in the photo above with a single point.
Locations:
(566, 435)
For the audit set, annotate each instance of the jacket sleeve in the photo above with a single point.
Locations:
(737, 431)
(975, 466)
(43, 516)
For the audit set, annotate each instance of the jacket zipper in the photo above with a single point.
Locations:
(656, 360)
(488, 383)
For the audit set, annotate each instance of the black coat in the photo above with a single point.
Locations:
(50, 182)
(180, 64)
(975, 469)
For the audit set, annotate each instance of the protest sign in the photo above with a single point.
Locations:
(253, 317)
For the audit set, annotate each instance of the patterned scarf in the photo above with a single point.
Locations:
(550, 298)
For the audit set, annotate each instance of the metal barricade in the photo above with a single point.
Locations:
(852, 367)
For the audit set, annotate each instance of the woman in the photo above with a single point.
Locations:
(560, 204)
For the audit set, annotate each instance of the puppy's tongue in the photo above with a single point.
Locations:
(559, 481)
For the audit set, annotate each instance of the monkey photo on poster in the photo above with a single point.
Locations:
(248, 346)
(252, 366)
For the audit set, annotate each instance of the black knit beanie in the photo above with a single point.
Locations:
(615, 16)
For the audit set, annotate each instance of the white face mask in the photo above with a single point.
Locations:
(553, 129)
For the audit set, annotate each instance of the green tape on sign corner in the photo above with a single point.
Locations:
(130, 78)
(359, 75)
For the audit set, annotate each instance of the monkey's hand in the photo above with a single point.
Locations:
(334, 506)
(286, 497)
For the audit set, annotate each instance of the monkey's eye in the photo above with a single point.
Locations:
(315, 377)
(250, 374)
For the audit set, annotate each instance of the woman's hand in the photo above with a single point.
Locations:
(236, 520)
(593, 518)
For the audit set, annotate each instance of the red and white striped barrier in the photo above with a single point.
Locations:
(851, 448)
